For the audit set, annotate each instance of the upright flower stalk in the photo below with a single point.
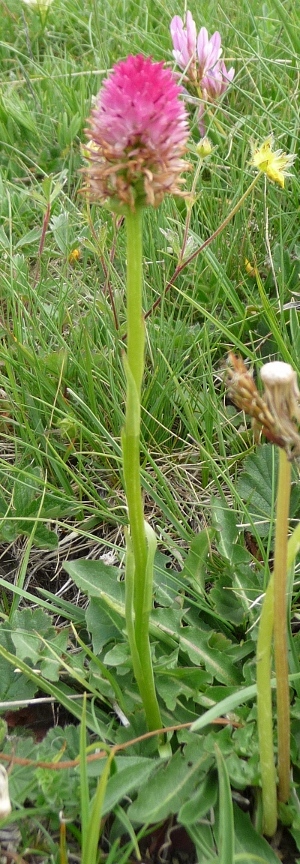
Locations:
(138, 132)
(281, 396)
(274, 413)
(139, 576)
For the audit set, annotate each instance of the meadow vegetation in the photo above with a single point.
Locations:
(209, 488)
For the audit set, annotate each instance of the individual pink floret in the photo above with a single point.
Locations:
(216, 81)
(208, 51)
(138, 132)
(185, 44)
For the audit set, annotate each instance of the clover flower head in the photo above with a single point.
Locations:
(199, 57)
(138, 131)
(195, 55)
(274, 163)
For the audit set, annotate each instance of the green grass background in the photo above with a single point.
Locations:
(61, 355)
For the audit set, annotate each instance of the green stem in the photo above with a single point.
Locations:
(135, 322)
(280, 625)
(134, 374)
(264, 712)
(274, 617)
(141, 657)
(139, 564)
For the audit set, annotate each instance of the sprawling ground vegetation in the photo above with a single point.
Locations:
(87, 781)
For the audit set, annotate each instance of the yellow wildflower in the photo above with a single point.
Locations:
(204, 148)
(250, 269)
(74, 256)
(274, 163)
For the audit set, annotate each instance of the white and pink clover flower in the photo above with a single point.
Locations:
(200, 59)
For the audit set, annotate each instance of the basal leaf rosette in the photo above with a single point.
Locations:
(138, 132)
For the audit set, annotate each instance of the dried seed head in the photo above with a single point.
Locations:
(275, 411)
(280, 381)
(281, 395)
(244, 393)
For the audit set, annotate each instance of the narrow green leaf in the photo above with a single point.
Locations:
(194, 565)
(200, 804)
(214, 661)
(84, 786)
(171, 786)
(248, 842)
(225, 523)
(226, 823)
(30, 237)
(133, 772)
(289, 25)
(94, 824)
(231, 702)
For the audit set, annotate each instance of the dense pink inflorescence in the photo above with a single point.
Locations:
(138, 132)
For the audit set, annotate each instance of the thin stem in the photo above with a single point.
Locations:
(139, 558)
(134, 373)
(274, 617)
(135, 323)
(280, 625)
(264, 712)
(190, 204)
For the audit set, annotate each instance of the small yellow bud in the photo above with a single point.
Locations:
(74, 256)
(252, 271)
(204, 148)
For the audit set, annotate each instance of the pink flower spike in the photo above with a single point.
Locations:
(138, 132)
(208, 50)
(184, 42)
